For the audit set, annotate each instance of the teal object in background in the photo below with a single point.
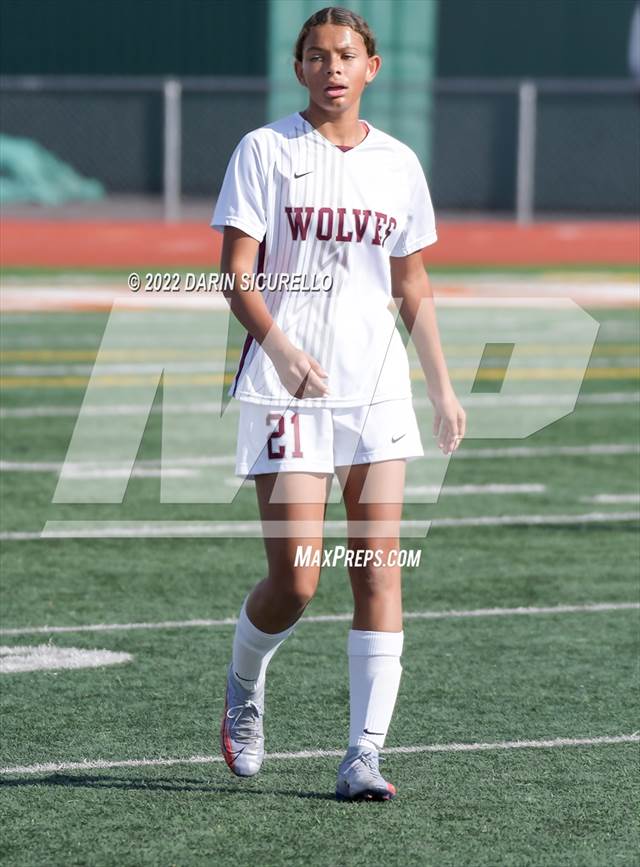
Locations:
(29, 173)
(400, 100)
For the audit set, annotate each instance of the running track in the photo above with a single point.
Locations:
(110, 244)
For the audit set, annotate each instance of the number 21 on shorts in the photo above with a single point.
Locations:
(277, 451)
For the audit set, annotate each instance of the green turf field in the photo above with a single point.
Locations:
(518, 724)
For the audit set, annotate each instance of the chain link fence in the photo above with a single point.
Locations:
(503, 147)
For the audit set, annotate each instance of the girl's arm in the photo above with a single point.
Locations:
(299, 372)
(410, 285)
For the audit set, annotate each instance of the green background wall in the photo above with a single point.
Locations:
(133, 37)
(228, 37)
(557, 38)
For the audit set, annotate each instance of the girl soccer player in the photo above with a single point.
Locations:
(342, 210)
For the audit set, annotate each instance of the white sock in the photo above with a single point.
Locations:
(374, 678)
(253, 649)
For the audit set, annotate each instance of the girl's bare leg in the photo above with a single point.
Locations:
(280, 598)
(375, 526)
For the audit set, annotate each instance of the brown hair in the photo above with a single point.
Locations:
(336, 15)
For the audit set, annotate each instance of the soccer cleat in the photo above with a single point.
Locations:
(241, 733)
(359, 778)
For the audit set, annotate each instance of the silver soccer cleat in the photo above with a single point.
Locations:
(241, 731)
(359, 777)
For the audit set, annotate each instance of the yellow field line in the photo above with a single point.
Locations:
(219, 352)
(486, 375)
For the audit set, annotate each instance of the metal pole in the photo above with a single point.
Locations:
(172, 149)
(526, 166)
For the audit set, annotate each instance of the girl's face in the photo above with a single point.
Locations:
(335, 67)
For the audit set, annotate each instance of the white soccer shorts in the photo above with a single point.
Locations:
(318, 439)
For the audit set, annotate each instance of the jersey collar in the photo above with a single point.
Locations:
(334, 147)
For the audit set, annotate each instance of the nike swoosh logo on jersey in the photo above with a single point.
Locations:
(302, 174)
(396, 439)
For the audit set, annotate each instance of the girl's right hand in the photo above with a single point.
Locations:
(300, 373)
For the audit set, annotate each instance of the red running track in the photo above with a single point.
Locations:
(190, 245)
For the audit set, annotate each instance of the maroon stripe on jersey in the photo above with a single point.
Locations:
(262, 251)
(249, 338)
(245, 349)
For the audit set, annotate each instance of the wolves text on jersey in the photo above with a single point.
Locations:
(333, 224)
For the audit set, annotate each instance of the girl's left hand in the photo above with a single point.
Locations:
(449, 423)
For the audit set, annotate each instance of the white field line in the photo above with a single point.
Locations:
(587, 608)
(113, 469)
(546, 451)
(258, 530)
(469, 401)
(46, 657)
(450, 292)
(101, 764)
(612, 498)
(88, 471)
(463, 490)
(532, 293)
(224, 460)
(79, 471)
(530, 520)
(136, 472)
(43, 298)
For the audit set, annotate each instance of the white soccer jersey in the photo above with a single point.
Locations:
(332, 218)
